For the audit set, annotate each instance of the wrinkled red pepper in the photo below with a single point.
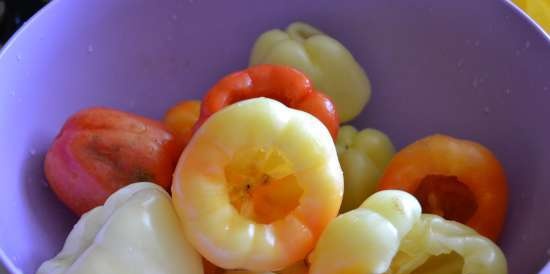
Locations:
(101, 150)
(284, 84)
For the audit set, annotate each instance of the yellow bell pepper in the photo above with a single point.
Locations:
(323, 59)
(136, 231)
(363, 156)
(366, 239)
(257, 184)
(438, 246)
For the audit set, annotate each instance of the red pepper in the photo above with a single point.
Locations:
(100, 150)
(284, 84)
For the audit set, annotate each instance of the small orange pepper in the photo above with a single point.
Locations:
(180, 120)
(457, 179)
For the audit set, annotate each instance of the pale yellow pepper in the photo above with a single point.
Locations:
(135, 231)
(257, 184)
(297, 268)
(323, 59)
(363, 156)
(387, 234)
(366, 239)
(438, 246)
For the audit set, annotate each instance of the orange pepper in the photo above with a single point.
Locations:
(180, 120)
(284, 84)
(457, 179)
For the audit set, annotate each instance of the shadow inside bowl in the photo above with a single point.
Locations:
(49, 219)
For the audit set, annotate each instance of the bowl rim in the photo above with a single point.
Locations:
(15, 36)
(7, 262)
(522, 13)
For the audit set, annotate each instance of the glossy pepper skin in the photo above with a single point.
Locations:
(136, 231)
(458, 179)
(438, 246)
(256, 186)
(363, 156)
(366, 239)
(281, 83)
(323, 59)
(101, 150)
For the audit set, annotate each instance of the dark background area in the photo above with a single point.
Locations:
(13, 13)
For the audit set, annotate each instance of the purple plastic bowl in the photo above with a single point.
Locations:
(473, 69)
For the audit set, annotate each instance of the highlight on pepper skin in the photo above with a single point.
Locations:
(257, 185)
(458, 179)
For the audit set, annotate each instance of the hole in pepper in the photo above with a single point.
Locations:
(448, 263)
(446, 196)
(262, 185)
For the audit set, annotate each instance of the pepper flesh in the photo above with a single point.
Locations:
(363, 156)
(458, 179)
(136, 231)
(284, 84)
(366, 239)
(256, 185)
(323, 59)
(437, 246)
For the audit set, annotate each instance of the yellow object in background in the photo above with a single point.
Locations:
(539, 10)
(366, 239)
(256, 185)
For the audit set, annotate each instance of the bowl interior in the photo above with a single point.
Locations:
(473, 69)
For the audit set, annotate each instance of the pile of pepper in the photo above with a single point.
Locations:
(263, 178)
